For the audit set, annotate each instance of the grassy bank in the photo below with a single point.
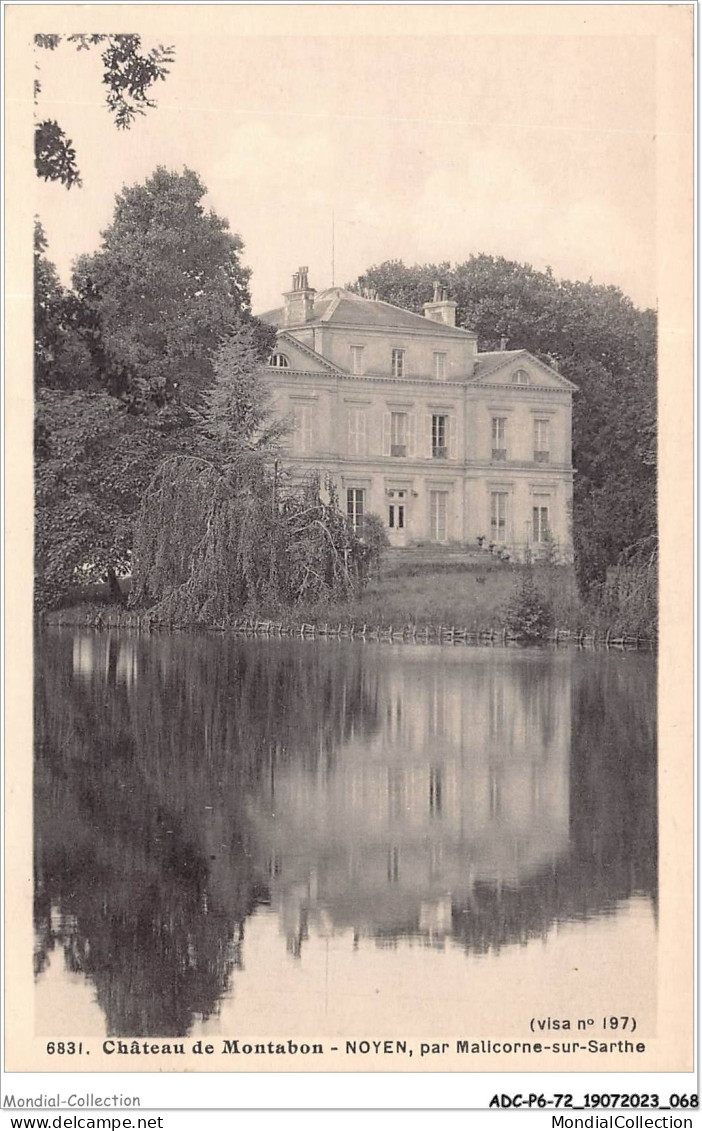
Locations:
(472, 597)
(468, 595)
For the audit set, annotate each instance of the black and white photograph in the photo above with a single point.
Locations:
(355, 607)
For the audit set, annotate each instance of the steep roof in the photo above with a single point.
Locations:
(345, 308)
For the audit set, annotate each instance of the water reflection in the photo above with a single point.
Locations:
(464, 797)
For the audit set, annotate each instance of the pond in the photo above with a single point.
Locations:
(269, 836)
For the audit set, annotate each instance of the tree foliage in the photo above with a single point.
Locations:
(600, 341)
(92, 460)
(234, 418)
(529, 615)
(62, 358)
(54, 154)
(222, 529)
(131, 369)
(164, 290)
(128, 74)
(628, 597)
(201, 555)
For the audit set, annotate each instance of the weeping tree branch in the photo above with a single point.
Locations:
(210, 545)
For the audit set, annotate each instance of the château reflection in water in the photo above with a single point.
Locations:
(469, 798)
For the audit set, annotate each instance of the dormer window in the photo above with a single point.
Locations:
(279, 361)
(520, 377)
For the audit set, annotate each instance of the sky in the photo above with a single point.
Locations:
(539, 148)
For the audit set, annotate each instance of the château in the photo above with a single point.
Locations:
(413, 423)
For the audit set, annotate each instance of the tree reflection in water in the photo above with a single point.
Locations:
(473, 796)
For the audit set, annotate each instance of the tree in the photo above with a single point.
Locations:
(128, 74)
(153, 336)
(234, 418)
(165, 288)
(62, 358)
(598, 339)
(92, 457)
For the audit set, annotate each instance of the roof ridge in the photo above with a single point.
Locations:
(332, 299)
(501, 353)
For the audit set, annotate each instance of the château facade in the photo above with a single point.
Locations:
(444, 443)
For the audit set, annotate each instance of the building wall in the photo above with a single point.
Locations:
(377, 345)
(346, 425)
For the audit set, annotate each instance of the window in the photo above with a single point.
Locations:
(498, 516)
(354, 506)
(398, 363)
(357, 431)
(438, 507)
(540, 527)
(439, 437)
(499, 444)
(303, 420)
(396, 516)
(279, 361)
(357, 359)
(440, 366)
(398, 434)
(542, 441)
(520, 377)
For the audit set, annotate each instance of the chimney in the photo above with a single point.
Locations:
(503, 342)
(299, 302)
(441, 308)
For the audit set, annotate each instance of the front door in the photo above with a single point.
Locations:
(438, 508)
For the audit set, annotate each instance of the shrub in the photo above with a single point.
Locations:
(628, 597)
(373, 540)
(529, 614)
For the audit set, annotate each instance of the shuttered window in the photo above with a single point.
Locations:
(542, 441)
(303, 421)
(498, 516)
(398, 363)
(357, 431)
(499, 442)
(357, 360)
(438, 507)
(399, 434)
(439, 435)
